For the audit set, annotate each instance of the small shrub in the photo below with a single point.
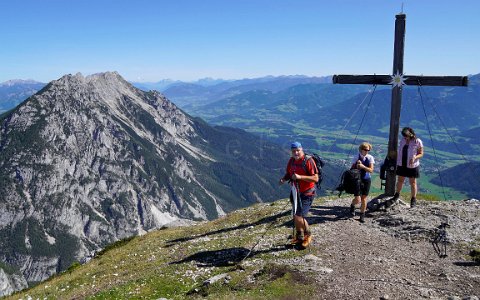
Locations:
(73, 266)
(428, 197)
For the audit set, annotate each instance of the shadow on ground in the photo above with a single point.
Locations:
(322, 214)
(225, 257)
(267, 220)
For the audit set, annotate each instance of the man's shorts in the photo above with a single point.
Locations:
(306, 203)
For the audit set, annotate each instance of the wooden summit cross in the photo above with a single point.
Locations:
(397, 80)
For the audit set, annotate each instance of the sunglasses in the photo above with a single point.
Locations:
(366, 149)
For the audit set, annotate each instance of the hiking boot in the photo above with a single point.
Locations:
(396, 196)
(362, 217)
(352, 210)
(413, 202)
(306, 240)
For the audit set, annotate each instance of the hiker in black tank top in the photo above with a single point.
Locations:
(408, 163)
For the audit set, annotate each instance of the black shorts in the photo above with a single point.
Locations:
(408, 172)
(364, 187)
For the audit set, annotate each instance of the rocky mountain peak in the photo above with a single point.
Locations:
(111, 83)
(90, 160)
(110, 92)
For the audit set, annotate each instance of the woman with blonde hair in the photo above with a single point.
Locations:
(364, 162)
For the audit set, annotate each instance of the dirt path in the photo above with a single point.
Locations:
(391, 256)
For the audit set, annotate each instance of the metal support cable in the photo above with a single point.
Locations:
(441, 121)
(431, 139)
(358, 130)
(422, 91)
(353, 114)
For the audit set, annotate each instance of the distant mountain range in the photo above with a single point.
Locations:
(318, 103)
(168, 83)
(327, 117)
(190, 94)
(13, 92)
(197, 92)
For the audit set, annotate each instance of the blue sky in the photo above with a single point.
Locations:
(147, 40)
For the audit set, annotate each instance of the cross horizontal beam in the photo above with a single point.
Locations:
(408, 80)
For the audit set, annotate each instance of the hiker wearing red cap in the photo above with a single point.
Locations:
(302, 175)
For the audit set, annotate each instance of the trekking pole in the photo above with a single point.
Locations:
(261, 238)
(294, 206)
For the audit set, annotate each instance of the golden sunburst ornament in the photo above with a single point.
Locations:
(398, 79)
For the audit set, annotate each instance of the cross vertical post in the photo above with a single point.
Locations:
(398, 79)
(398, 51)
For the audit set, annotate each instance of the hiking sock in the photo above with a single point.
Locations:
(362, 217)
(352, 210)
(413, 202)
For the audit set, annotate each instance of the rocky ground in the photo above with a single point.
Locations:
(391, 256)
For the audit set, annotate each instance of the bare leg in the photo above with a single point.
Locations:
(301, 224)
(356, 200)
(363, 206)
(413, 187)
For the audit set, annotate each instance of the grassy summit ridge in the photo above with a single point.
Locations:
(174, 262)
(389, 256)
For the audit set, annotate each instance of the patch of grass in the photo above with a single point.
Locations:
(272, 272)
(151, 287)
(282, 282)
(475, 255)
(427, 197)
(73, 266)
(114, 245)
(271, 282)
